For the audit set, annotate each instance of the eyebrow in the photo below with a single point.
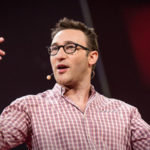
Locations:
(65, 42)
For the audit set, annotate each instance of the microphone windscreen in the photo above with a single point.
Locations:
(48, 77)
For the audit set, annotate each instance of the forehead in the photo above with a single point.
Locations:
(73, 35)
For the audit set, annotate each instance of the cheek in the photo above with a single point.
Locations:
(81, 63)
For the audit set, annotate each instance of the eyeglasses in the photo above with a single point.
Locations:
(68, 48)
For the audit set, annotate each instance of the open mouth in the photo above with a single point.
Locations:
(62, 68)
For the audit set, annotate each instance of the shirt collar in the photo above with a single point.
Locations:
(61, 90)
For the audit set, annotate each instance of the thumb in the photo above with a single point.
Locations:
(1, 39)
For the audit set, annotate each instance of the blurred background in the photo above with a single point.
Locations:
(123, 29)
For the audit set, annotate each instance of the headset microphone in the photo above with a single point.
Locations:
(48, 77)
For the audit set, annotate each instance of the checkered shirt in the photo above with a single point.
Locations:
(51, 121)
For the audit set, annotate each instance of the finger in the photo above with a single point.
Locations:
(0, 58)
(2, 52)
(1, 39)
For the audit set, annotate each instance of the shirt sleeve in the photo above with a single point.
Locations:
(14, 125)
(140, 132)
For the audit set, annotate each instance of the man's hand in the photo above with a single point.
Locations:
(2, 53)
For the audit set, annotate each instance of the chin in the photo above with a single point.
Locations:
(65, 82)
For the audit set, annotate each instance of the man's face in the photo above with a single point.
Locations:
(70, 69)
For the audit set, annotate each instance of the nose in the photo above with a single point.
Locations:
(61, 54)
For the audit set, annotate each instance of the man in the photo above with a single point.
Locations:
(73, 116)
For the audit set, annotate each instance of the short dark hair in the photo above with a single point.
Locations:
(66, 23)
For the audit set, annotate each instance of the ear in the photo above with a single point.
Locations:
(92, 57)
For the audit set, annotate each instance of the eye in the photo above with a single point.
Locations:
(70, 46)
(54, 48)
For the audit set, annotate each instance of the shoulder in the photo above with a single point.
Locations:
(115, 104)
(29, 105)
(27, 101)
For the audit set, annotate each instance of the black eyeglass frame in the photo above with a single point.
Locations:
(63, 46)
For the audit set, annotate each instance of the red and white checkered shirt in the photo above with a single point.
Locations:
(51, 121)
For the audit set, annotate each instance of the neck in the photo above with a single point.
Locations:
(79, 94)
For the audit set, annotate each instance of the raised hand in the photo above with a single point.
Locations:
(2, 53)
